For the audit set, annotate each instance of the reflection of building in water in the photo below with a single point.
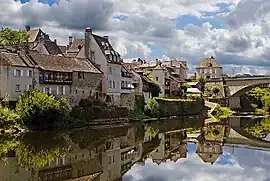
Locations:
(171, 147)
(12, 171)
(209, 152)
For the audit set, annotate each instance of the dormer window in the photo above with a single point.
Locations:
(102, 43)
(210, 65)
(79, 47)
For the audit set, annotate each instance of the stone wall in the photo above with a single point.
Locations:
(83, 88)
(180, 108)
(127, 100)
(218, 84)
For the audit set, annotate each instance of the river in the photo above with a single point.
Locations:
(187, 148)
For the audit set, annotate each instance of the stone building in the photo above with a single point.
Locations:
(209, 152)
(74, 78)
(209, 68)
(16, 75)
(41, 42)
(99, 50)
(170, 75)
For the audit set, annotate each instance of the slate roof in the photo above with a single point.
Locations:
(64, 64)
(62, 48)
(33, 35)
(15, 59)
(209, 62)
(52, 47)
(102, 42)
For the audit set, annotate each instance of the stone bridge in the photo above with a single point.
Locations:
(236, 87)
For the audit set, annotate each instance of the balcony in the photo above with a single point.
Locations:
(55, 81)
(127, 74)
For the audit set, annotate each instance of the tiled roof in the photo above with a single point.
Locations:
(52, 47)
(64, 64)
(62, 48)
(209, 62)
(126, 69)
(105, 45)
(176, 63)
(33, 34)
(15, 59)
(75, 44)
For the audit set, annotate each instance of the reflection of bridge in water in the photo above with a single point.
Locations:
(236, 136)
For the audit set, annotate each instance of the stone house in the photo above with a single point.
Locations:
(127, 95)
(41, 42)
(16, 75)
(99, 50)
(73, 78)
(209, 152)
(170, 75)
(209, 68)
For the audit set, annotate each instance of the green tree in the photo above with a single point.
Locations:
(42, 110)
(13, 37)
(202, 81)
(215, 90)
(8, 118)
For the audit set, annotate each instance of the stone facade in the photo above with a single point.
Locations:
(128, 100)
(180, 108)
(83, 88)
(209, 68)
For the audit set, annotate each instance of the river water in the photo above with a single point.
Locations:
(188, 148)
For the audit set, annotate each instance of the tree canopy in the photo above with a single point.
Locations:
(13, 37)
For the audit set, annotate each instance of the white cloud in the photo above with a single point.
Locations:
(245, 164)
(243, 41)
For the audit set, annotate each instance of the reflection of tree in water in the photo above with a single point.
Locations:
(261, 129)
(152, 129)
(35, 150)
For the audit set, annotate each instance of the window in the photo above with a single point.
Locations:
(109, 160)
(109, 173)
(80, 75)
(213, 71)
(60, 90)
(18, 88)
(46, 76)
(110, 70)
(28, 87)
(114, 70)
(18, 72)
(29, 73)
(157, 78)
(202, 71)
(109, 84)
(113, 84)
(47, 90)
(123, 84)
(92, 56)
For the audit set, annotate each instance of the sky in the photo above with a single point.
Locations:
(236, 32)
(233, 165)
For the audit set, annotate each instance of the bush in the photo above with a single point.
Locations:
(154, 110)
(40, 109)
(8, 118)
(222, 112)
(215, 90)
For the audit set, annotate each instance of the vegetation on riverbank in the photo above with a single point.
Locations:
(261, 129)
(221, 112)
(261, 100)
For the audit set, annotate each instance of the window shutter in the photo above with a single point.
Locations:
(64, 90)
(50, 90)
(43, 89)
(14, 72)
(57, 90)
(21, 72)
(27, 73)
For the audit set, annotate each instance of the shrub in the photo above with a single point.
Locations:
(154, 109)
(222, 112)
(215, 90)
(8, 118)
(40, 109)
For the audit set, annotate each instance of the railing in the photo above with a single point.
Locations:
(127, 74)
(54, 81)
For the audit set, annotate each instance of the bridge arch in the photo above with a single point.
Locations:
(243, 89)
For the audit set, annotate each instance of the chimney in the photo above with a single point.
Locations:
(212, 57)
(157, 61)
(70, 41)
(87, 41)
(171, 63)
(27, 27)
(46, 37)
(106, 37)
(55, 41)
(195, 76)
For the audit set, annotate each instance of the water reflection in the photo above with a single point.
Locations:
(180, 149)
